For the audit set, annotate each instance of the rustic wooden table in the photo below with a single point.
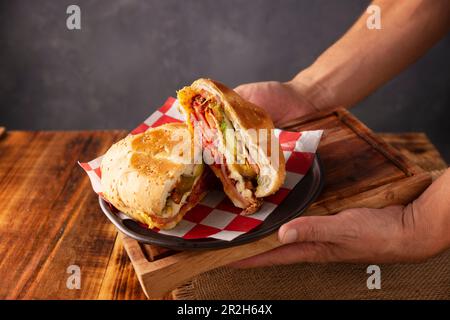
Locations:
(50, 218)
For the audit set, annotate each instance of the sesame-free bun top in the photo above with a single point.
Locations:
(140, 171)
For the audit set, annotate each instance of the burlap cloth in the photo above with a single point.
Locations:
(427, 280)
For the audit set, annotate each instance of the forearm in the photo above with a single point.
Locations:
(363, 59)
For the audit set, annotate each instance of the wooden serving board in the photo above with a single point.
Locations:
(360, 170)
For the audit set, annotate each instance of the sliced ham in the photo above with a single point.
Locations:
(229, 185)
(204, 118)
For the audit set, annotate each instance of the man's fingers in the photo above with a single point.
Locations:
(288, 254)
(308, 239)
(312, 229)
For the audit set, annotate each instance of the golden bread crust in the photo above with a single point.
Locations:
(140, 171)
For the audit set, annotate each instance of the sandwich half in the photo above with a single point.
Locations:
(238, 135)
(151, 176)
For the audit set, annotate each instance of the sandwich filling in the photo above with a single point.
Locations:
(182, 189)
(240, 178)
(187, 192)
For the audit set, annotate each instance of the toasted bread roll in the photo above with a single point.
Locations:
(151, 176)
(253, 163)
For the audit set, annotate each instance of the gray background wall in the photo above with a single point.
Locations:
(130, 55)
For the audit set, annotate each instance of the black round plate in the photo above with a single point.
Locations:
(297, 201)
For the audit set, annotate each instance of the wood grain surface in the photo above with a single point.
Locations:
(50, 219)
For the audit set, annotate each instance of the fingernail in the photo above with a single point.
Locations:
(289, 236)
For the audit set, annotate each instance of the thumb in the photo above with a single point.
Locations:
(311, 229)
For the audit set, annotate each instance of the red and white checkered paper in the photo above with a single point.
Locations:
(215, 216)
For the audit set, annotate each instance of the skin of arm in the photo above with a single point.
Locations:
(362, 60)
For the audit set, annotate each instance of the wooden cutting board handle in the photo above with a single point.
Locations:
(172, 271)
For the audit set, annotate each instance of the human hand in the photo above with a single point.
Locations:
(366, 235)
(284, 101)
